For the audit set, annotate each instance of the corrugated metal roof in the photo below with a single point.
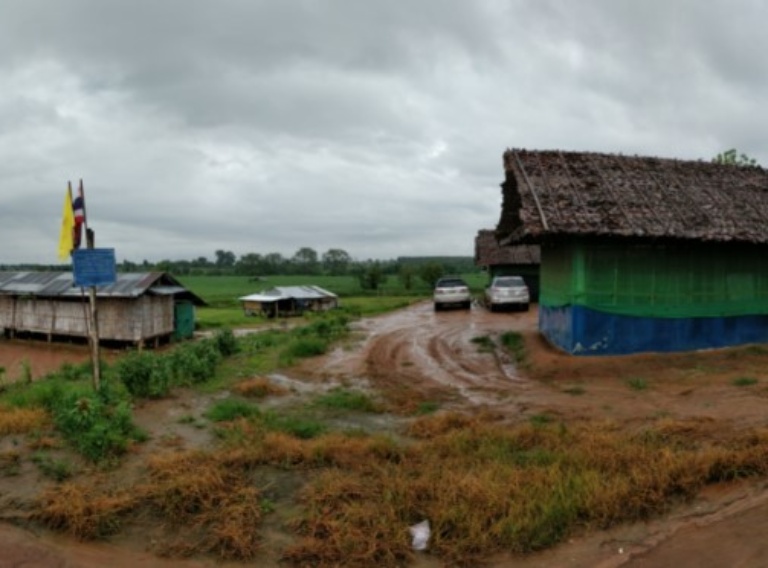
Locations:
(288, 292)
(127, 285)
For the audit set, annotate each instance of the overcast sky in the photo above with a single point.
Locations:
(374, 127)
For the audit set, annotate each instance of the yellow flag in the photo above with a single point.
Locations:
(66, 241)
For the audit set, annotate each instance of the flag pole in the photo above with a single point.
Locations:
(93, 332)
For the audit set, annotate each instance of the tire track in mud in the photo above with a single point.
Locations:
(429, 351)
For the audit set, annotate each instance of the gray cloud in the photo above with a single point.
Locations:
(261, 126)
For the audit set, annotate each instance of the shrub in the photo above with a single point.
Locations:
(144, 374)
(98, 430)
(225, 342)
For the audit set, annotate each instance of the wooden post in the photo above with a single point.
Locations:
(93, 331)
(93, 337)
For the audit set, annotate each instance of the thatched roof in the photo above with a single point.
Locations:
(552, 194)
(488, 251)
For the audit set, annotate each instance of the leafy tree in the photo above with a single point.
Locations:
(733, 158)
(305, 261)
(430, 273)
(407, 274)
(225, 258)
(249, 264)
(336, 262)
(273, 263)
(371, 275)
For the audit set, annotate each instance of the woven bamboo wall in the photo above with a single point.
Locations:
(120, 319)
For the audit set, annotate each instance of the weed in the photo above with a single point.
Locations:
(230, 409)
(26, 371)
(58, 470)
(484, 344)
(427, 407)
(515, 344)
(10, 463)
(297, 426)
(744, 381)
(540, 419)
(637, 383)
(343, 399)
(575, 390)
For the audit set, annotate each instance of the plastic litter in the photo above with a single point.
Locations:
(420, 533)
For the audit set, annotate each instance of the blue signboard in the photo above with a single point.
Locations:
(94, 267)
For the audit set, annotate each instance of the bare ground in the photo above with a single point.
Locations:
(423, 356)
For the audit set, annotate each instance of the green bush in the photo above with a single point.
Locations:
(98, 430)
(225, 342)
(144, 374)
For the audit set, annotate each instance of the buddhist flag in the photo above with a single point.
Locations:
(66, 242)
(78, 211)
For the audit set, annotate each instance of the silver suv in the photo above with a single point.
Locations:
(507, 291)
(452, 291)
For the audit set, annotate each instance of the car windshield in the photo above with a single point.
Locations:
(509, 282)
(450, 283)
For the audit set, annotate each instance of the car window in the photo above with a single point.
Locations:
(508, 282)
(450, 282)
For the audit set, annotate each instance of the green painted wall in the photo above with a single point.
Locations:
(672, 280)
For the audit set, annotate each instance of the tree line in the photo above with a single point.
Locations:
(306, 261)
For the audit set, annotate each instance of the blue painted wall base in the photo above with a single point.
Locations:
(583, 331)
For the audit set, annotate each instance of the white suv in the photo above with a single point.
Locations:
(507, 291)
(452, 291)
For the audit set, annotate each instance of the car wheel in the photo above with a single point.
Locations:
(491, 308)
(525, 307)
(468, 305)
(437, 307)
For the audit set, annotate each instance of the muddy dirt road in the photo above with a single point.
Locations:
(423, 356)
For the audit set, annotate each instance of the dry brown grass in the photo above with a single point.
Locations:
(259, 387)
(21, 420)
(484, 485)
(10, 463)
(82, 512)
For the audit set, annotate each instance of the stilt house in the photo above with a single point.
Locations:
(139, 308)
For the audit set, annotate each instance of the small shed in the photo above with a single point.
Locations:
(641, 253)
(510, 260)
(289, 300)
(139, 308)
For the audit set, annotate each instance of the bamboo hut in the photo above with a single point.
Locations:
(139, 308)
(641, 253)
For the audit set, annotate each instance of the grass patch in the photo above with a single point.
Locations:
(345, 399)
(56, 469)
(231, 409)
(744, 381)
(484, 343)
(427, 407)
(637, 383)
(515, 344)
(576, 390)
